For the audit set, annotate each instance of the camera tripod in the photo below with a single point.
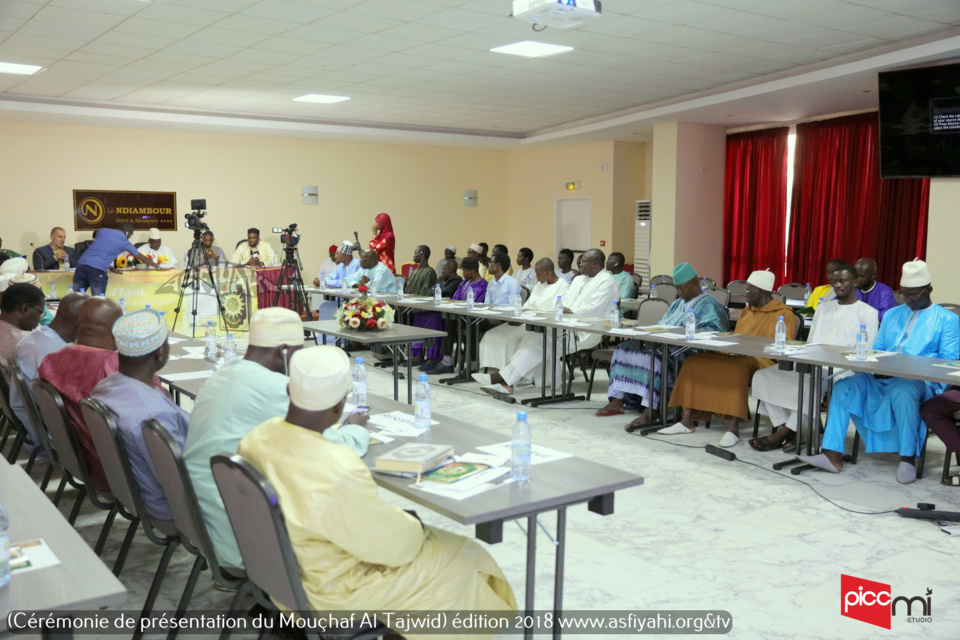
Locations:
(192, 278)
(291, 281)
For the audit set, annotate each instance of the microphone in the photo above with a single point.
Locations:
(720, 453)
(929, 514)
(357, 246)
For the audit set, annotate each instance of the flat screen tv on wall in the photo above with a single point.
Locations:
(920, 122)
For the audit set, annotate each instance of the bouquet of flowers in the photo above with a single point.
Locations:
(365, 314)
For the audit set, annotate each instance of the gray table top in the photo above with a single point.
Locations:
(396, 333)
(553, 484)
(80, 581)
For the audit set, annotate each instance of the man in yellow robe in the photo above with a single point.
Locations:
(718, 382)
(355, 551)
(825, 291)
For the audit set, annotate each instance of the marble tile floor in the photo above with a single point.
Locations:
(701, 533)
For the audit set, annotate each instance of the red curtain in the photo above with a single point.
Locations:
(842, 209)
(755, 203)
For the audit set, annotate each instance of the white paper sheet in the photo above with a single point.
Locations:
(574, 323)
(397, 423)
(539, 455)
(713, 343)
(176, 340)
(482, 458)
(189, 375)
(193, 350)
(39, 554)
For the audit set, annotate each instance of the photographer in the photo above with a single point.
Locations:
(255, 252)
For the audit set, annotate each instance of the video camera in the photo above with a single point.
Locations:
(194, 217)
(289, 237)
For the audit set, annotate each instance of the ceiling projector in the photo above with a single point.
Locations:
(562, 14)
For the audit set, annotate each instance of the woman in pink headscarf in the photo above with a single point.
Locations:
(383, 241)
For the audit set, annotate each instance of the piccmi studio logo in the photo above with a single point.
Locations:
(873, 603)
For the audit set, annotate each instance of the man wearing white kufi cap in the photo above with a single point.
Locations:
(242, 394)
(716, 383)
(886, 412)
(347, 265)
(157, 251)
(355, 551)
(132, 397)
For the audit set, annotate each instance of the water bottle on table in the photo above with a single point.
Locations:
(399, 289)
(558, 310)
(521, 449)
(517, 305)
(53, 290)
(470, 298)
(210, 341)
(123, 305)
(653, 291)
(807, 292)
(862, 350)
(359, 383)
(613, 315)
(780, 337)
(690, 325)
(437, 295)
(373, 288)
(229, 348)
(421, 404)
(66, 261)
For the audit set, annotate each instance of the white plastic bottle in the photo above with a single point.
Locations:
(69, 289)
(229, 348)
(517, 304)
(421, 404)
(653, 291)
(66, 262)
(210, 340)
(437, 295)
(521, 449)
(323, 279)
(862, 350)
(780, 337)
(807, 292)
(373, 289)
(359, 383)
(4, 548)
(53, 290)
(613, 315)
(123, 305)
(470, 298)
(690, 325)
(558, 310)
(399, 289)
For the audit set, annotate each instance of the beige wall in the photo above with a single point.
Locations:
(631, 182)
(944, 223)
(664, 197)
(252, 181)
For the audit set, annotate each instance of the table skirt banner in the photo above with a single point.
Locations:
(160, 288)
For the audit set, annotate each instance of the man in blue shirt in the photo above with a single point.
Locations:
(373, 273)
(347, 265)
(503, 287)
(96, 260)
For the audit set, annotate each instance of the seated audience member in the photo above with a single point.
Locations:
(355, 551)
(938, 413)
(484, 259)
(470, 267)
(717, 383)
(132, 396)
(825, 291)
(328, 266)
(449, 253)
(54, 256)
(876, 294)
(589, 296)
(373, 273)
(449, 283)
(501, 248)
(525, 273)
(886, 411)
(630, 365)
(502, 287)
(33, 280)
(421, 283)
(95, 357)
(208, 253)
(91, 273)
(11, 268)
(40, 343)
(835, 322)
(498, 344)
(255, 252)
(21, 307)
(474, 252)
(242, 394)
(623, 279)
(347, 265)
(564, 262)
(159, 252)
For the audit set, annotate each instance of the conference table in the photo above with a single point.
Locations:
(555, 486)
(81, 581)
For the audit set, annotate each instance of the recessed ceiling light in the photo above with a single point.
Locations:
(19, 69)
(319, 97)
(531, 49)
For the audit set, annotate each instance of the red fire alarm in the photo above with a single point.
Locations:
(603, 243)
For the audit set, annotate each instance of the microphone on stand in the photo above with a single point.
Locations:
(357, 246)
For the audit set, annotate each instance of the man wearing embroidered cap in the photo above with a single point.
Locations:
(242, 394)
(630, 365)
(886, 412)
(718, 383)
(347, 265)
(355, 551)
(131, 396)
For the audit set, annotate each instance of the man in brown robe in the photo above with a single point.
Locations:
(718, 383)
